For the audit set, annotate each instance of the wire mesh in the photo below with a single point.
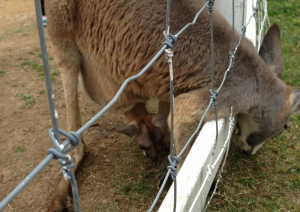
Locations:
(73, 138)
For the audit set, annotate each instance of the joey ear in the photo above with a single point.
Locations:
(296, 103)
(130, 130)
(270, 51)
(159, 120)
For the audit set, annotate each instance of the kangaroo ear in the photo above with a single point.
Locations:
(296, 103)
(270, 51)
(130, 130)
(159, 120)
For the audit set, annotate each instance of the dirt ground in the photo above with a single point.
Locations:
(114, 175)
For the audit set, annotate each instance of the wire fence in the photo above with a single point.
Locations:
(262, 21)
(213, 102)
(73, 139)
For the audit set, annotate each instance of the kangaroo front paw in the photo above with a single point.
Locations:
(243, 145)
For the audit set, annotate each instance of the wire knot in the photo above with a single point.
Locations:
(214, 95)
(72, 136)
(169, 55)
(232, 57)
(174, 161)
(57, 154)
(210, 6)
(209, 171)
(65, 161)
(254, 11)
(66, 164)
(231, 121)
(170, 42)
(243, 29)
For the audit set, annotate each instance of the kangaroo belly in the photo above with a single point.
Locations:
(101, 85)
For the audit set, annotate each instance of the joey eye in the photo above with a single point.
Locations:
(143, 148)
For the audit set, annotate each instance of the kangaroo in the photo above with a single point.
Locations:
(99, 44)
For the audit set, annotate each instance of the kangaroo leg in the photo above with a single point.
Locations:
(70, 82)
(246, 126)
(188, 110)
(61, 17)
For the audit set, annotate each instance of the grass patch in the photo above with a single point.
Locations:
(42, 91)
(269, 180)
(29, 101)
(142, 188)
(33, 65)
(23, 96)
(19, 149)
(56, 73)
(111, 207)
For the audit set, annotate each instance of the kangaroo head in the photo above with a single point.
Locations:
(144, 127)
(274, 121)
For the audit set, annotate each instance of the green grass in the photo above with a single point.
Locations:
(23, 30)
(287, 15)
(29, 101)
(55, 73)
(108, 207)
(19, 149)
(135, 190)
(42, 91)
(23, 96)
(31, 63)
(269, 180)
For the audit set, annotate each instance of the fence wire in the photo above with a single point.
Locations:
(263, 22)
(210, 167)
(61, 149)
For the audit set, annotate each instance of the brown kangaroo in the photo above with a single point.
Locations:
(101, 43)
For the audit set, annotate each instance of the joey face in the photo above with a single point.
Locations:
(144, 128)
(148, 139)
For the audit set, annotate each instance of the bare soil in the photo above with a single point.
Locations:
(114, 174)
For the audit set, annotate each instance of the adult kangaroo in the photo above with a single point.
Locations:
(101, 43)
